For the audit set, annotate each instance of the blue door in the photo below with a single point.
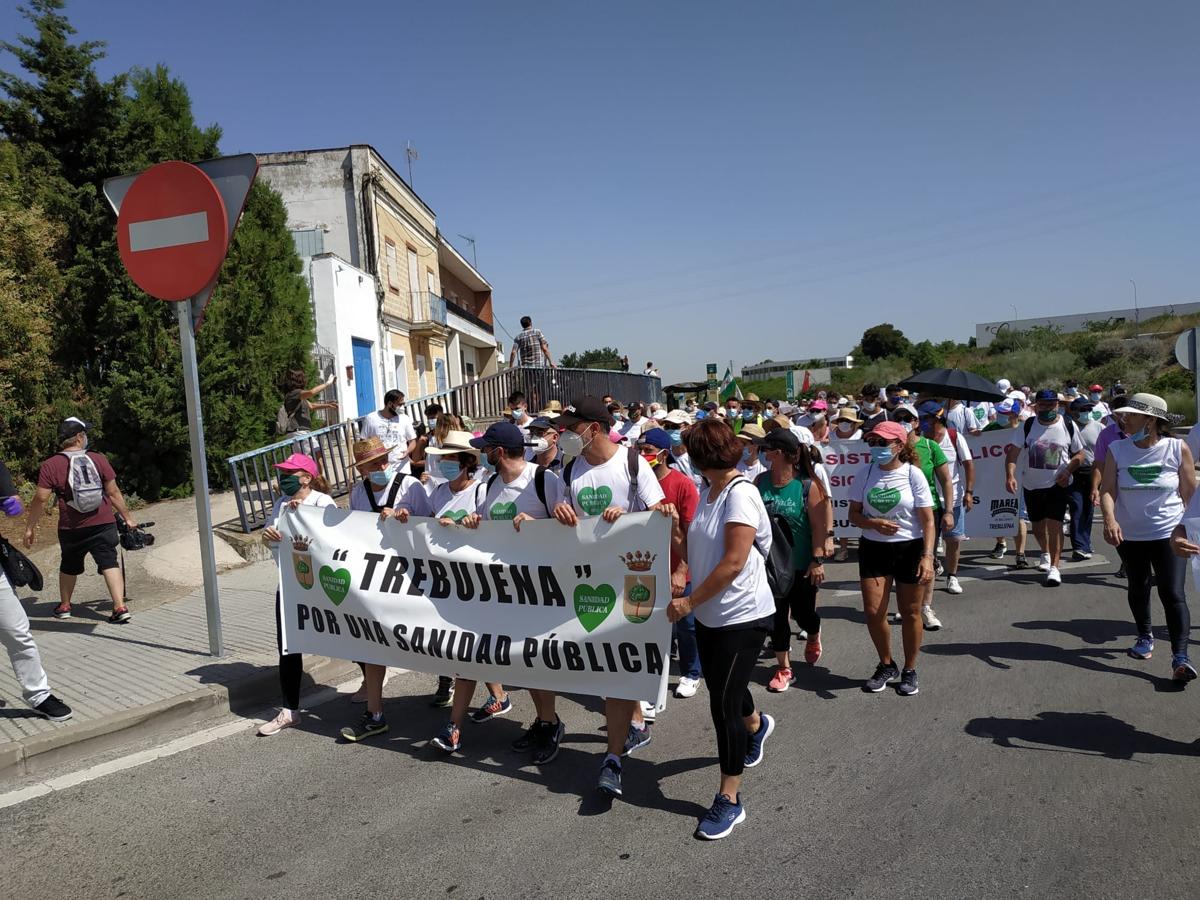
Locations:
(364, 376)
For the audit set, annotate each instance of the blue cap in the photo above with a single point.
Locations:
(930, 408)
(656, 437)
(1046, 394)
(500, 434)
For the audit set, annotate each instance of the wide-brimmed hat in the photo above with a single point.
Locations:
(454, 443)
(298, 462)
(368, 449)
(553, 409)
(1145, 405)
(677, 417)
(846, 414)
(751, 431)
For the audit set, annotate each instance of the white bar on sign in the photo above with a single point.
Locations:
(173, 231)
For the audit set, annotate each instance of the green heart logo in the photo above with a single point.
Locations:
(593, 604)
(1145, 474)
(335, 584)
(595, 500)
(883, 499)
(502, 512)
(455, 515)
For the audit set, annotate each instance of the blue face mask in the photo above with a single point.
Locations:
(676, 437)
(881, 456)
(1094, 397)
(449, 469)
(1140, 435)
(380, 479)
(746, 455)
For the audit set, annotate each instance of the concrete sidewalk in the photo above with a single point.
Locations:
(151, 673)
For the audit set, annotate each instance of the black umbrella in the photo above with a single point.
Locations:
(957, 383)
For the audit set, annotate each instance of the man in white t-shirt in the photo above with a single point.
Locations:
(607, 480)
(962, 480)
(1053, 454)
(630, 428)
(394, 428)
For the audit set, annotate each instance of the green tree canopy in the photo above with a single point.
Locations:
(884, 340)
(603, 358)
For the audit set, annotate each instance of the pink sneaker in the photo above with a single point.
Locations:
(812, 649)
(781, 681)
(287, 718)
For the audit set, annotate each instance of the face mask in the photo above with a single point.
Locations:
(540, 445)
(651, 458)
(882, 455)
(848, 427)
(380, 478)
(868, 406)
(1003, 420)
(1072, 392)
(290, 485)
(746, 456)
(927, 426)
(431, 424)
(634, 415)
(907, 426)
(449, 469)
(818, 418)
(84, 445)
(1094, 397)
(676, 437)
(1140, 435)
(1047, 416)
(572, 443)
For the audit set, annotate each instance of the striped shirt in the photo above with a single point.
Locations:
(528, 345)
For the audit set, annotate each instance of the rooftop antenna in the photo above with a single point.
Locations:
(471, 241)
(411, 152)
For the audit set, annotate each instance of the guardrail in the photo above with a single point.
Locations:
(254, 477)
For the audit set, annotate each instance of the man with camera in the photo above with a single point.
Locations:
(88, 496)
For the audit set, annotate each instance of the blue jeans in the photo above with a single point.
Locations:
(1079, 501)
(684, 632)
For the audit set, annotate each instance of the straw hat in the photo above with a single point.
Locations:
(552, 411)
(751, 431)
(368, 449)
(845, 414)
(454, 443)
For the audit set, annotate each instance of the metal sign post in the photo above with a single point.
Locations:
(1186, 353)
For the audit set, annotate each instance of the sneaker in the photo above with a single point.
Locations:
(938, 569)
(529, 739)
(610, 779)
(636, 739)
(722, 817)
(649, 711)
(120, 616)
(1053, 577)
(547, 741)
(1080, 556)
(1044, 563)
(445, 692)
(53, 709)
(360, 696)
(491, 709)
(287, 718)
(843, 554)
(812, 649)
(999, 550)
(62, 611)
(1022, 562)
(781, 680)
(367, 726)
(908, 683)
(754, 744)
(929, 619)
(952, 585)
(1181, 668)
(895, 618)
(1143, 647)
(687, 687)
(884, 672)
(449, 739)
(941, 548)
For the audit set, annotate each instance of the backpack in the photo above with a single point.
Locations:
(631, 464)
(285, 422)
(781, 574)
(84, 482)
(539, 485)
(19, 568)
(390, 502)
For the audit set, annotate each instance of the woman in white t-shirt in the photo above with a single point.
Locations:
(1148, 479)
(300, 484)
(892, 504)
(727, 544)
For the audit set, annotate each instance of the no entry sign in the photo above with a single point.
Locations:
(172, 231)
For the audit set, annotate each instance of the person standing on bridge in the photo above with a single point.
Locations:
(529, 349)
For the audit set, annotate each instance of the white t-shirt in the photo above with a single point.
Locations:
(960, 419)
(504, 501)
(1100, 412)
(1048, 450)
(749, 597)
(592, 489)
(855, 435)
(630, 430)
(314, 498)
(398, 431)
(1148, 502)
(980, 413)
(445, 502)
(411, 496)
(956, 452)
(893, 494)
(751, 470)
(1193, 443)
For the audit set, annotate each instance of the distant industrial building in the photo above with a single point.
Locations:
(985, 332)
(778, 368)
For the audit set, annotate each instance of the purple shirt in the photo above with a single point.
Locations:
(1111, 433)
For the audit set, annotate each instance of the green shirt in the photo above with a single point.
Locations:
(790, 501)
(929, 457)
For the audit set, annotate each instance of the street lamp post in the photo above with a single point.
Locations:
(1137, 316)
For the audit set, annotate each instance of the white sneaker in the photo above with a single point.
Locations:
(287, 718)
(952, 585)
(649, 711)
(1053, 577)
(930, 619)
(1044, 563)
(687, 687)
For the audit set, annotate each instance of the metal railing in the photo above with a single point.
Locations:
(463, 313)
(253, 475)
(427, 307)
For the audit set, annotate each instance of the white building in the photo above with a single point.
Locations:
(347, 314)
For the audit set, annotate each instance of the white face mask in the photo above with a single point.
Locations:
(572, 443)
(540, 445)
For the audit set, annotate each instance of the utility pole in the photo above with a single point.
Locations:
(412, 154)
(1137, 315)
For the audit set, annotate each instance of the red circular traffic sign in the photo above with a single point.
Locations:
(172, 231)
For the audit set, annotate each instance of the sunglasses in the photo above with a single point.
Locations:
(877, 442)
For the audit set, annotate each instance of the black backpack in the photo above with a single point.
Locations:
(539, 485)
(390, 502)
(18, 567)
(781, 574)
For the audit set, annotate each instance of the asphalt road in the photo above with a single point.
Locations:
(1038, 760)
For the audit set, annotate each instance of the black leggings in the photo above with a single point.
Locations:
(291, 665)
(728, 657)
(801, 604)
(1140, 557)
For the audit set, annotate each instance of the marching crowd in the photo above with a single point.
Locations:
(750, 502)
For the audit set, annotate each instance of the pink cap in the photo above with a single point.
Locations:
(615, 436)
(298, 462)
(818, 404)
(893, 431)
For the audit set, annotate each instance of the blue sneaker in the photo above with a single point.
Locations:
(636, 739)
(610, 779)
(1143, 647)
(721, 818)
(491, 709)
(1181, 668)
(754, 745)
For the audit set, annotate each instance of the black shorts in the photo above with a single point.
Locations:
(1046, 503)
(897, 560)
(98, 540)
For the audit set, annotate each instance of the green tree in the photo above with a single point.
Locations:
(602, 358)
(925, 355)
(884, 340)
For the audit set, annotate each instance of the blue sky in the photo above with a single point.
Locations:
(697, 182)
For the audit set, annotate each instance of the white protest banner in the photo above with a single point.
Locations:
(844, 461)
(996, 510)
(578, 610)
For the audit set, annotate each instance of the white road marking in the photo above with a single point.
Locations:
(172, 231)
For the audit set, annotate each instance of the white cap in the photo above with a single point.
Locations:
(1003, 385)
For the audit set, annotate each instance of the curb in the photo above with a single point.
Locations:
(73, 741)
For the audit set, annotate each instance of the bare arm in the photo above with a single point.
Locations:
(1108, 501)
(546, 350)
(33, 515)
(118, 501)
(1187, 475)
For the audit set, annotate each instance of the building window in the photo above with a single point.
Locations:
(393, 266)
